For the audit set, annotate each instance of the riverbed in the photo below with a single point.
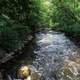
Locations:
(55, 57)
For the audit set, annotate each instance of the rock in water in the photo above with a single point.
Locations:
(27, 73)
(24, 72)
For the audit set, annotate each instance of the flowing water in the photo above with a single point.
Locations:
(56, 58)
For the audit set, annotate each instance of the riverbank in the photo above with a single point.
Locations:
(26, 53)
(10, 55)
(75, 39)
(73, 36)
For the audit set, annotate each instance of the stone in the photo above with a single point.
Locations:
(24, 72)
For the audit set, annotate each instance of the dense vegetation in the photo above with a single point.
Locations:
(20, 17)
(67, 16)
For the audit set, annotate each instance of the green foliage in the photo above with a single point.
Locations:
(21, 30)
(66, 15)
(20, 17)
(14, 17)
(72, 30)
(11, 34)
(46, 12)
(8, 37)
(17, 10)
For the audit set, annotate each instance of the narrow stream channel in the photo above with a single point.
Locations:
(56, 58)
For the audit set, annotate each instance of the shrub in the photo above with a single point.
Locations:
(21, 30)
(11, 33)
(8, 37)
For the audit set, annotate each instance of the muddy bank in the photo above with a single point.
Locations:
(75, 39)
(17, 61)
(4, 56)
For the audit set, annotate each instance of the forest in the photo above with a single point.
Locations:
(20, 19)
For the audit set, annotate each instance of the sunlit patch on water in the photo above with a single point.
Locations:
(46, 38)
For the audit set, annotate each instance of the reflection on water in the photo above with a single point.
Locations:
(56, 58)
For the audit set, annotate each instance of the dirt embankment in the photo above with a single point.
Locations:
(4, 56)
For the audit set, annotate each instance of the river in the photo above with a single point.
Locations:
(56, 58)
